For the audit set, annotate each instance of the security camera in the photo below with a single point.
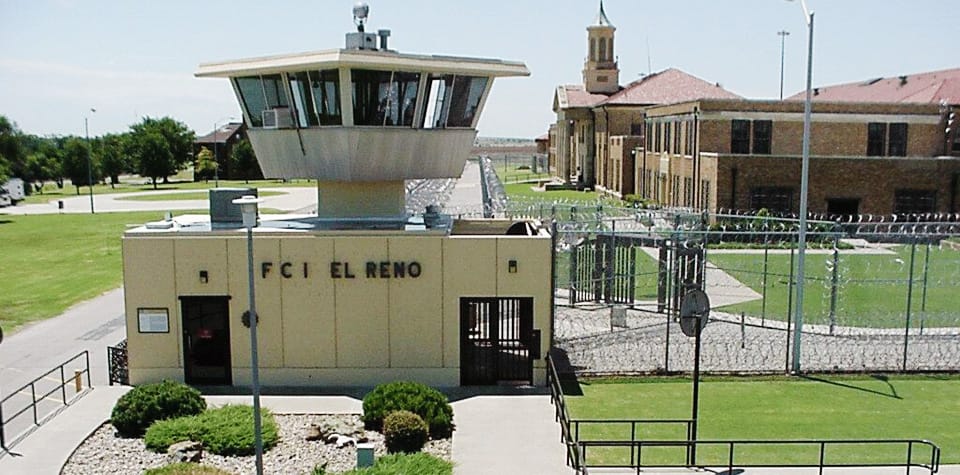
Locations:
(361, 10)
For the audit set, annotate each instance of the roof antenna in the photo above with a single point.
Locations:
(649, 61)
(360, 12)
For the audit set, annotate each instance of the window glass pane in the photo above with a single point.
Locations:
(371, 92)
(251, 95)
(273, 89)
(402, 101)
(898, 140)
(465, 100)
(326, 96)
(773, 199)
(303, 99)
(438, 92)
(914, 201)
(762, 133)
(740, 136)
(876, 135)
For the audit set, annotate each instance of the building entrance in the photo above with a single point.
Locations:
(497, 340)
(206, 340)
(843, 206)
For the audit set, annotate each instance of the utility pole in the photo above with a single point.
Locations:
(783, 36)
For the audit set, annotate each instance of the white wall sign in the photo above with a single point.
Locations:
(153, 320)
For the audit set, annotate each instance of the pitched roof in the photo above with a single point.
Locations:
(222, 134)
(571, 95)
(668, 87)
(929, 87)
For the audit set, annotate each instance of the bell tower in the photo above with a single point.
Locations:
(601, 74)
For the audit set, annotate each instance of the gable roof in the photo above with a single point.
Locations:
(570, 96)
(668, 87)
(222, 135)
(929, 87)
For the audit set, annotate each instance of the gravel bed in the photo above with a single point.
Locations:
(104, 453)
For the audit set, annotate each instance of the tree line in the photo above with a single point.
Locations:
(154, 148)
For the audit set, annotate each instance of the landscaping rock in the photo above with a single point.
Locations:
(188, 451)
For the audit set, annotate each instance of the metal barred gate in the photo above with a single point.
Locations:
(603, 269)
(497, 340)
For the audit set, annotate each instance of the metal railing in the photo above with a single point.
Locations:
(636, 453)
(62, 401)
(578, 451)
(118, 369)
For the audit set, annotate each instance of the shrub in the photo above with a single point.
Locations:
(404, 432)
(405, 464)
(143, 405)
(185, 469)
(424, 401)
(227, 430)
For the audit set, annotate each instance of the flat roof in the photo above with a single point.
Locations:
(368, 59)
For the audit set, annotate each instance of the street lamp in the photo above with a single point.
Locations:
(216, 158)
(804, 185)
(248, 207)
(783, 36)
(86, 132)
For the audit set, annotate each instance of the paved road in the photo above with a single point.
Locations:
(92, 325)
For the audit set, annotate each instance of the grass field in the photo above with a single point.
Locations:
(51, 262)
(645, 278)
(51, 192)
(526, 191)
(513, 174)
(194, 195)
(872, 289)
(908, 407)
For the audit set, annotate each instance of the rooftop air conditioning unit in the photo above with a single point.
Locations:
(277, 118)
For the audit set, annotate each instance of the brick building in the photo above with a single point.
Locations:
(875, 158)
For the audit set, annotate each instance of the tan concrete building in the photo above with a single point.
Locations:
(866, 158)
(361, 292)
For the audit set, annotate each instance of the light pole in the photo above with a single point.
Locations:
(783, 36)
(86, 132)
(804, 184)
(248, 207)
(216, 158)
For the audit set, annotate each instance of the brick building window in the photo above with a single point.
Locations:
(678, 127)
(876, 139)
(636, 128)
(688, 192)
(666, 137)
(914, 201)
(657, 137)
(740, 136)
(774, 199)
(897, 143)
(704, 194)
(762, 136)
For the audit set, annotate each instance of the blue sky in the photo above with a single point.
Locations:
(133, 58)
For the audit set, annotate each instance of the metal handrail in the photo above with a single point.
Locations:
(61, 388)
(636, 453)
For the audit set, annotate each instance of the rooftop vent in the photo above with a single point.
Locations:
(903, 80)
(222, 210)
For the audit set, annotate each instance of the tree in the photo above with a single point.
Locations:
(152, 155)
(74, 162)
(11, 150)
(172, 158)
(113, 159)
(206, 165)
(245, 161)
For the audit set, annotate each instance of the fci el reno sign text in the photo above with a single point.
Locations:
(343, 270)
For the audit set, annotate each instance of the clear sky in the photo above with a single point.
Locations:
(135, 58)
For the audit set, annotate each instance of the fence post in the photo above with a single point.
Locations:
(78, 380)
(789, 304)
(833, 285)
(763, 301)
(906, 331)
(63, 386)
(3, 440)
(923, 298)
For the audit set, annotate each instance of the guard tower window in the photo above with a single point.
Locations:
(316, 96)
(384, 98)
(251, 97)
(452, 101)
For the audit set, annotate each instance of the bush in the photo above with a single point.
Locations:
(185, 469)
(227, 430)
(424, 401)
(144, 405)
(405, 464)
(404, 432)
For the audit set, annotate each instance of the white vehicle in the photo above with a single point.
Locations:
(5, 200)
(13, 189)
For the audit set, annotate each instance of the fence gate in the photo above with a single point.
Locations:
(682, 264)
(603, 269)
(496, 339)
(117, 363)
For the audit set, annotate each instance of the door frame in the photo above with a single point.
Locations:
(186, 341)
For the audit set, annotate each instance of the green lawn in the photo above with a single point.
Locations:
(645, 276)
(872, 289)
(513, 174)
(526, 191)
(909, 407)
(194, 195)
(51, 192)
(54, 261)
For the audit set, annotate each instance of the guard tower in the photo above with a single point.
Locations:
(362, 119)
